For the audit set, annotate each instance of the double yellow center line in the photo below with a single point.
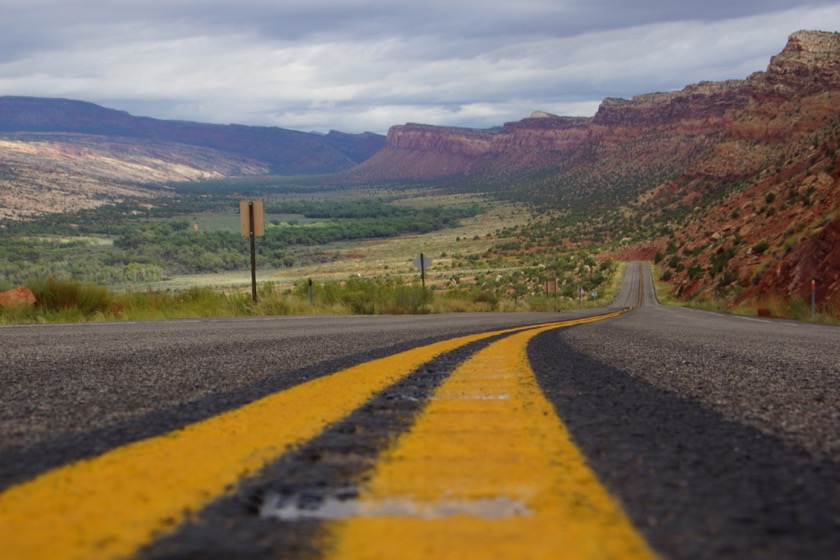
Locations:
(487, 471)
(111, 505)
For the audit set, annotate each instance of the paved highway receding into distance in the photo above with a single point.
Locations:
(633, 431)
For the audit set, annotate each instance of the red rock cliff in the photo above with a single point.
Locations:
(416, 152)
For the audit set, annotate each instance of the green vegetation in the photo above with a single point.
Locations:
(132, 244)
(111, 263)
(73, 301)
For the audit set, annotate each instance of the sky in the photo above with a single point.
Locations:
(365, 65)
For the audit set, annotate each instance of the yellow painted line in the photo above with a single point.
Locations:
(487, 471)
(110, 505)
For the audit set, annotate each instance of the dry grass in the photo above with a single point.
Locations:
(387, 257)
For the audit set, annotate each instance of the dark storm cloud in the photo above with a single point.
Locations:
(367, 64)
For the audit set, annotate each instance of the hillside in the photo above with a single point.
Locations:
(741, 176)
(59, 155)
(282, 151)
(769, 192)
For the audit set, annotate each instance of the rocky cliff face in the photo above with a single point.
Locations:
(417, 152)
(808, 64)
(443, 140)
(775, 172)
(542, 132)
(698, 109)
(684, 119)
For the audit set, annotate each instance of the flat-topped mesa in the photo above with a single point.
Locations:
(423, 152)
(441, 139)
(707, 101)
(542, 131)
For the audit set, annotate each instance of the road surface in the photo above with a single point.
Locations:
(637, 430)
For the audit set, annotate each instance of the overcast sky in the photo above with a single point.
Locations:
(364, 65)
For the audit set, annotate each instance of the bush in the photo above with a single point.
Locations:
(368, 296)
(411, 300)
(760, 247)
(71, 298)
(694, 270)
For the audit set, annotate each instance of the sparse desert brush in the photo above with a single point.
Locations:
(17, 314)
(70, 298)
(368, 296)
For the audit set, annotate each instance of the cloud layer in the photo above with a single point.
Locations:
(357, 65)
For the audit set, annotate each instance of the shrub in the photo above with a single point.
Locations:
(412, 300)
(760, 247)
(694, 270)
(756, 276)
(71, 297)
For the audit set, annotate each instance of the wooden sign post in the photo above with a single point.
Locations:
(423, 262)
(252, 225)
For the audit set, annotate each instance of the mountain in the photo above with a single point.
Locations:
(59, 155)
(282, 151)
(742, 174)
(769, 191)
(563, 160)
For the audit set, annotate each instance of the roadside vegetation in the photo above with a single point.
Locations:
(185, 258)
(135, 244)
(74, 301)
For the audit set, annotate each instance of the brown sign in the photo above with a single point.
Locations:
(245, 218)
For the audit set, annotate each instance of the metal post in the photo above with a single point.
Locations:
(253, 252)
(422, 270)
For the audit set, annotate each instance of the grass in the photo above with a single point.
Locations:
(70, 301)
(369, 277)
(380, 257)
(663, 288)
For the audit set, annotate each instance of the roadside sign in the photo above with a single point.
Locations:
(245, 218)
(252, 225)
(422, 262)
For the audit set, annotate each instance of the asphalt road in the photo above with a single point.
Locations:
(719, 436)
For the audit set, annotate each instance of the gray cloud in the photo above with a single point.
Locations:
(358, 65)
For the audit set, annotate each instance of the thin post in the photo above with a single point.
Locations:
(813, 299)
(422, 270)
(253, 252)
